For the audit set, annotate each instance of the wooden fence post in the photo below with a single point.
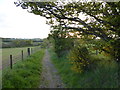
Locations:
(31, 50)
(22, 54)
(96, 52)
(28, 51)
(11, 61)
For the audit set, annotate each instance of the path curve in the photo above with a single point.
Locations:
(50, 77)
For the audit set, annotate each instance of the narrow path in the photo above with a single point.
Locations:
(50, 77)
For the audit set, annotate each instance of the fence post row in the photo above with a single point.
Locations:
(11, 61)
(28, 50)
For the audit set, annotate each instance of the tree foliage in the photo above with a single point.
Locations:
(101, 19)
(62, 45)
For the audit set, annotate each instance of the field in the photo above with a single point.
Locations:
(16, 53)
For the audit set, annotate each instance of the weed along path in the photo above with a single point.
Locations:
(49, 77)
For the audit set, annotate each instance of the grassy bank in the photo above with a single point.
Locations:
(24, 74)
(103, 76)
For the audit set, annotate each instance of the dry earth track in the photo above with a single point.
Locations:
(50, 77)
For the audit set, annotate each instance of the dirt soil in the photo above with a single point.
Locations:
(50, 77)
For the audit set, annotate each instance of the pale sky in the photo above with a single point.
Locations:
(16, 22)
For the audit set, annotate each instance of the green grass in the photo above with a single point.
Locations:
(0, 79)
(24, 74)
(103, 76)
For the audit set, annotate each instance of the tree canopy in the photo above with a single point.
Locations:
(101, 19)
(98, 19)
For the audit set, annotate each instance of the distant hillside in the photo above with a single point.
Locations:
(17, 42)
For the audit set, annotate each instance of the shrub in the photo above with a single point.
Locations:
(80, 59)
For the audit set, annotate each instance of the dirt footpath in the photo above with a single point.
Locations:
(50, 77)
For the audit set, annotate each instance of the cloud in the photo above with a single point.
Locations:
(18, 23)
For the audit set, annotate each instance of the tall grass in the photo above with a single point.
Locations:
(104, 75)
(24, 74)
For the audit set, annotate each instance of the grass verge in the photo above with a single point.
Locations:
(103, 76)
(24, 74)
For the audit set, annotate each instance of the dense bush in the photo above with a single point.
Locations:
(61, 43)
(79, 58)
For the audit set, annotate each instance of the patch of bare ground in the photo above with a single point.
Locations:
(50, 77)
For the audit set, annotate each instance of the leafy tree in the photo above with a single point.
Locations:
(101, 18)
(62, 43)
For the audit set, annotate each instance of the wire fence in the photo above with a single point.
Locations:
(12, 59)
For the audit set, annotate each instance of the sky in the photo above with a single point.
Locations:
(16, 22)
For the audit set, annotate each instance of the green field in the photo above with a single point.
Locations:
(16, 53)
